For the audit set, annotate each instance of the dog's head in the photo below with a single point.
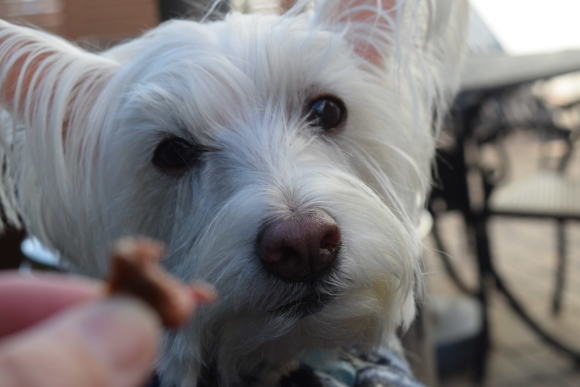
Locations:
(283, 159)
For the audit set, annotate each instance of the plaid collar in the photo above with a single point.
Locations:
(383, 367)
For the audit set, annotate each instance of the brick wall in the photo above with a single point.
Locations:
(108, 20)
(102, 21)
(46, 14)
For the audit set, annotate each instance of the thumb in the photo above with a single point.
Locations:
(111, 343)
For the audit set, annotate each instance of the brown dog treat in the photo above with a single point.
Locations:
(135, 271)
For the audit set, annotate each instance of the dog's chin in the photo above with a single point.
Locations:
(304, 306)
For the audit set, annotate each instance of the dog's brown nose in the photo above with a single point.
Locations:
(300, 248)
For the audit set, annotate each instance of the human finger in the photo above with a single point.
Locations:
(111, 343)
(27, 299)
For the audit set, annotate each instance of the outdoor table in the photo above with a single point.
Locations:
(490, 73)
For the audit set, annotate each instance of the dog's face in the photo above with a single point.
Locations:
(282, 159)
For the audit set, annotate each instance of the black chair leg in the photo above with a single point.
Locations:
(561, 267)
(478, 225)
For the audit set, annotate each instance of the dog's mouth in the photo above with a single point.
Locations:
(304, 306)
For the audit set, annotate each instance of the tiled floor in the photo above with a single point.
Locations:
(525, 253)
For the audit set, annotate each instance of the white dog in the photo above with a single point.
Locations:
(283, 159)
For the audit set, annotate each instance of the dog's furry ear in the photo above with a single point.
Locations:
(38, 70)
(368, 24)
(48, 88)
(382, 29)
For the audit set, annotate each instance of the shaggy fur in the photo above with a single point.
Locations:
(79, 129)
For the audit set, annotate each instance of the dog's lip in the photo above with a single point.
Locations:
(304, 306)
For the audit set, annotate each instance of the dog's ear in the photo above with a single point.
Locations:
(382, 29)
(48, 89)
(38, 70)
(367, 24)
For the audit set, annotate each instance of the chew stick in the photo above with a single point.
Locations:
(135, 271)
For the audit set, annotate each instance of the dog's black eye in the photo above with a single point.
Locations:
(326, 112)
(175, 155)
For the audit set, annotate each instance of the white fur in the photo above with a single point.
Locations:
(78, 138)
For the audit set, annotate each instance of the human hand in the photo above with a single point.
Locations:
(95, 342)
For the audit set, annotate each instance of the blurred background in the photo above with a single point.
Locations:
(502, 233)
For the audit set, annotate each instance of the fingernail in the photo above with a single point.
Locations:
(124, 334)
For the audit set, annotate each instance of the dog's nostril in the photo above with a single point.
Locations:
(300, 248)
(331, 239)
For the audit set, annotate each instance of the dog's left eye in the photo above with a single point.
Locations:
(175, 154)
(327, 113)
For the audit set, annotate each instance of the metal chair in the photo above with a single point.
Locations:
(549, 193)
(460, 169)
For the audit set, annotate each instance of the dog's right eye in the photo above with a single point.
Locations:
(327, 113)
(175, 155)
